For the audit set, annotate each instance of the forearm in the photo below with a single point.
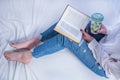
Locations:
(97, 50)
(109, 64)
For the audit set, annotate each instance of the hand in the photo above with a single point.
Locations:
(102, 30)
(86, 36)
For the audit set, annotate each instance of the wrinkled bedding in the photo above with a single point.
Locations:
(23, 19)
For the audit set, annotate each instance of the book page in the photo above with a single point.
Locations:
(71, 22)
(75, 18)
(70, 30)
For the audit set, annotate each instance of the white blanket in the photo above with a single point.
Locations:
(23, 19)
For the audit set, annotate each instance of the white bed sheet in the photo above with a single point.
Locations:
(23, 19)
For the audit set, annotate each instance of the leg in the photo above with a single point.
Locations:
(29, 44)
(49, 33)
(49, 46)
(81, 52)
(84, 54)
(58, 42)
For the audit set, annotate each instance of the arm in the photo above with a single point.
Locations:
(109, 64)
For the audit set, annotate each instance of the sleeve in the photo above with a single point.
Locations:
(97, 50)
(108, 31)
(110, 65)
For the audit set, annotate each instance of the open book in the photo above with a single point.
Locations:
(71, 22)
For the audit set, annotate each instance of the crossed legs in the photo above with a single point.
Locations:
(22, 52)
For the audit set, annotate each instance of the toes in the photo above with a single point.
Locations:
(14, 45)
(9, 55)
(8, 58)
(11, 44)
(6, 55)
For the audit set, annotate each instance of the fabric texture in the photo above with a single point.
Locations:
(23, 19)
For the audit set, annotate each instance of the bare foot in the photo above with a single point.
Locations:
(29, 44)
(20, 55)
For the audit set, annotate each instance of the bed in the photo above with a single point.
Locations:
(23, 19)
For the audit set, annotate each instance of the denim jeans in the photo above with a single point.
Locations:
(53, 42)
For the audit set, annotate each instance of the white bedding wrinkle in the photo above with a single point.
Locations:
(23, 19)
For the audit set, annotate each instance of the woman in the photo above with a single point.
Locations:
(105, 52)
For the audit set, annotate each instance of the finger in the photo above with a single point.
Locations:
(11, 44)
(84, 34)
(98, 31)
(102, 25)
(83, 31)
(86, 31)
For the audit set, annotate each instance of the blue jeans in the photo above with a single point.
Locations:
(53, 42)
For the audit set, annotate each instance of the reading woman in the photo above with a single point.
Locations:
(94, 54)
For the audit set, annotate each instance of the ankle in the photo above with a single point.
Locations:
(26, 58)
